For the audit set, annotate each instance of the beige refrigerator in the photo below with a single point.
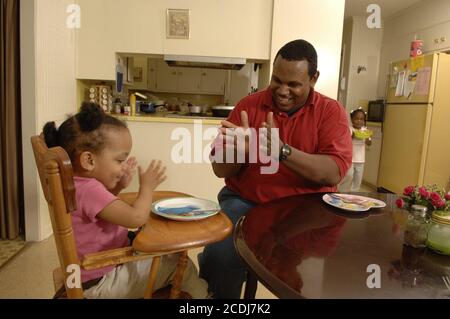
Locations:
(416, 130)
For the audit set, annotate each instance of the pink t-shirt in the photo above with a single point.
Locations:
(93, 234)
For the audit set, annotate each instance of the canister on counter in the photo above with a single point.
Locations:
(127, 110)
(416, 48)
(133, 106)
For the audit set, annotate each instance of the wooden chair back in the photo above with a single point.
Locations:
(56, 176)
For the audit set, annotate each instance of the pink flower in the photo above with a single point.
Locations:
(423, 192)
(439, 203)
(447, 196)
(400, 203)
(408, 190)
(435, 196)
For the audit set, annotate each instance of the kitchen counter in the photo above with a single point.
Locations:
(169, 118)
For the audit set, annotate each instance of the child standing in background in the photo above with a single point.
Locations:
(360, 138)
(99, 146)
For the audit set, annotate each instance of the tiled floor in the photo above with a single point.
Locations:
(8, 248)
(29, 273)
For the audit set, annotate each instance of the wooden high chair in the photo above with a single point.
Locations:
(56, 175)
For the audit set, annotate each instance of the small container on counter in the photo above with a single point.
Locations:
(118, 106)
(439, 233)
(133, 105)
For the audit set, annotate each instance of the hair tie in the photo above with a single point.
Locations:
(359, 108)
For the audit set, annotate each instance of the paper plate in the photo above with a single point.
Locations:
(185, 208)
(354, 203)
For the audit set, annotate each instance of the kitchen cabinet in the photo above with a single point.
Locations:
(212, 81)
(371, 166)
(151, 74)
(188, 80)
(166, 77)
(173, 79)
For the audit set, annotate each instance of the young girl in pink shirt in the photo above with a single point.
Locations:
(99, 146)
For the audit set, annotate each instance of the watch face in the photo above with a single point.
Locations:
(285, 151)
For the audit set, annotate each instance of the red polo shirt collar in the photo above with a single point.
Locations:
(268, 103)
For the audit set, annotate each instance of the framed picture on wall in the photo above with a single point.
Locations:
(177, 23)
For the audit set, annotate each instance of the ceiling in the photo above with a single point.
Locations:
(388, 7)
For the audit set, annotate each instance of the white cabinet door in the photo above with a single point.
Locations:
(213, 81)
(185, 80)
(166, 77)
(188, 80)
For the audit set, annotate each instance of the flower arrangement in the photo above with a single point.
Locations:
(431, 196)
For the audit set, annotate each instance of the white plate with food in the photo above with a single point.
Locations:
(354, 203)
(185, 208)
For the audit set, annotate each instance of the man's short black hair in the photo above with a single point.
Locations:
(299, 50)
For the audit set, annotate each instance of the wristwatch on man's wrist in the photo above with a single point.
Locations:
(285, 151)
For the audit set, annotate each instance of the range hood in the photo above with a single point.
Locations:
(195, 61)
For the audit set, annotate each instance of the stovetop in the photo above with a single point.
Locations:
(196, 116)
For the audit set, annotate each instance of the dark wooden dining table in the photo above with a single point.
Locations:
(301, 247)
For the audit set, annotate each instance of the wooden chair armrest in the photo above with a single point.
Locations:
(112, 257)
(125, 254)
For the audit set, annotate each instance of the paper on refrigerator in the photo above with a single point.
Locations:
(410, 82)
(400, 83)
(423, 81)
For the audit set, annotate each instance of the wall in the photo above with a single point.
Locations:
(319, 22)
(48, 93)
(345, 60)
(231, 28)
(363, 46)
(427, 20)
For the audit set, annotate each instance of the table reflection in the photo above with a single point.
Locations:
(300, 247)
(289, 234)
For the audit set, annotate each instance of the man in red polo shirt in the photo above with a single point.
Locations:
(315, 152)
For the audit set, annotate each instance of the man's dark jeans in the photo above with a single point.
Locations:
(219, 263)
